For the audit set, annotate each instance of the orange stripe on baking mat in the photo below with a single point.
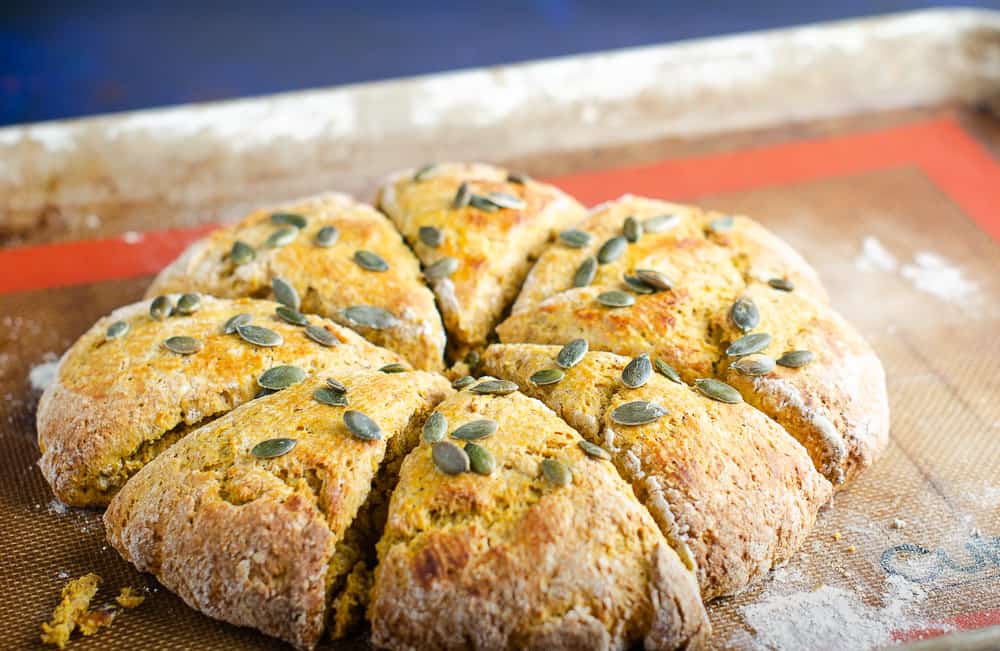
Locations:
(959, 165)
(963, 622)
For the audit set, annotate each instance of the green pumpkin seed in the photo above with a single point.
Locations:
(462, 382)
(431, 236)
(519, 179)
(749, 344)
(632, 229)
(795, 358)
(188, 304)
(754, 365)
(572, 353)
(667, 371)
(183, 345)
(321, 335)
(556, 472)
(660, 223)
(506, 200)
(495, 387)
(435, 427)
(612, 249)
(481, 460)
(282, 237)
(395, 367)
(336, 385)
(594, 451)
(289, 315)
(361, 426)
(116, 330)
(263, 392)
(781, 284)
(272, 448)
(744, 314)
(475, 429)
(721, 224)
(327, 236)
(442, 268)
(259, 336)
(574, 238)
(160, 308)
(638, 412)
(288, 219)
(241, 253)
(462, 196)
(654, 279)
(637, 285)
(546, 376)
(370, 261)
(615, 298)
(480, 202)
(281, 377)
(718, 390)
(449, 458)
(284, 293)
(424, 172)
(328, 396)
(472, 358)
(369, 316)
(585, 272)
(636, 373)
(236, 321)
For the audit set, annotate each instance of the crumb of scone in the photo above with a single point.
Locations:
(898, 524)
(94, 620)
(76, 596)
(128, 598)
(836, 535)
(852, 549)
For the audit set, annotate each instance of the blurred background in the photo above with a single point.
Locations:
(70, 59)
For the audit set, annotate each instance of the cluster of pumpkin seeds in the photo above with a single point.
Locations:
(334, 393)
(641, 281)
(569, 356)
(452, 459)
(749, 348)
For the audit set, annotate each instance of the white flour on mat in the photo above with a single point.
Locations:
(874, 256)
(928, 272)
(42, 375)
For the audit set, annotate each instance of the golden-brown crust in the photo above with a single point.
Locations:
(269, 543)
(116, 404)
(723, 481)
(494, 249)
(511, 561)
(327, 278)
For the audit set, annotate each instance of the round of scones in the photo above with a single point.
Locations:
(645, 407)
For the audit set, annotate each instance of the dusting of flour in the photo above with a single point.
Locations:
(42, 375)
(928, 272)
(874, 256)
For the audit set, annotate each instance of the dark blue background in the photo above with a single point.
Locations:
(62, 60)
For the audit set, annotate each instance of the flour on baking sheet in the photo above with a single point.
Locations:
(41, 375)
(928, 272)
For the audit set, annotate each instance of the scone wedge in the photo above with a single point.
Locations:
(344, 259)
(548, 550)
(277, 537)
(133, 385)
(477, 229)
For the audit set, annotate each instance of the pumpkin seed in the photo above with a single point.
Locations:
(506, 200)
(236, 321)
(449, 458)
(327, 236)
(272, 448)
(362, 426)
(321, 335)
(546, 376)
(721, 224)
(284, 293)
(572, 353)
(289, 315)
(462, 196)
(282, 237)
(475, 429)
(632, 229)
(556, 472)
(638, 412)
(442, 268)
(369, 316)
(160, 308)
(328, 396)
(336, 385)
(718, 390)
(638, 286)
(241, 253)
(481, 460)
(262, 393)
(395, 367)
(116, 330)
(754, 365)
(636, 373)
(259, 336)
(795, 358)
(782, 284)
(654, 279)
(188, 304)
(424, 172)
(615, 298)
(370, 261)
(612, 249)
(183, 345)
(482, 203)
(660, 223)
(749, 344)
(288, 219)
(431, 236)
(462, 382)
(472, 358)
(744, 314)
(495, 387)
(435, 427)
(519, 179)
(592, 450)
(667, 371)
(281, 377)
(574, 238)
(585, 272)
